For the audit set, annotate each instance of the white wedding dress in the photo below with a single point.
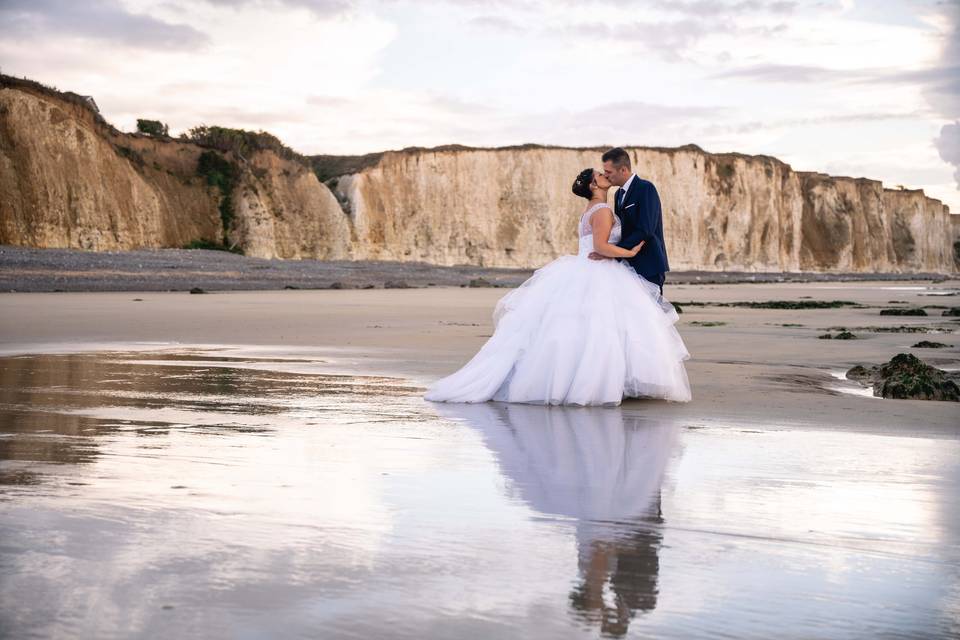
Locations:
(580, 332)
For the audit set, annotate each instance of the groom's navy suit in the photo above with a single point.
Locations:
(642, 220)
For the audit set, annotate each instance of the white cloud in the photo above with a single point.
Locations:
(102, 21)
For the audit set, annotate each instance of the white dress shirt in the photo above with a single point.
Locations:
(626, 185)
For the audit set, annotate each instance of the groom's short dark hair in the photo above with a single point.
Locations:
(618, 157)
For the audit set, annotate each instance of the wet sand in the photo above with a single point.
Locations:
(752, 368)
(263, 464)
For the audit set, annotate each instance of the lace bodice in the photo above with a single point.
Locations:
(586, 231)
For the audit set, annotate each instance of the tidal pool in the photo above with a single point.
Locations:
(191, 494)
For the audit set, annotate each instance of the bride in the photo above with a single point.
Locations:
(579, 331)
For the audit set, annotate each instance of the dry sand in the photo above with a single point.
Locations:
(750, 371)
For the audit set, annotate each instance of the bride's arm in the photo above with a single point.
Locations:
(602, 222)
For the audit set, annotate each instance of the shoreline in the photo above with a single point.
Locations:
(762, 367)
(26, 270)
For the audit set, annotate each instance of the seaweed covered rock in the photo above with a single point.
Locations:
(791, 304)
(952, 311)
(843, 335)
(861, 374)
(907, 377)
(927, 344)
(903, 312)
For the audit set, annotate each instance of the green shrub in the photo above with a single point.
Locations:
(152, 127)
(241, 142)
(203, 243)
(222, 174)
(132, 155)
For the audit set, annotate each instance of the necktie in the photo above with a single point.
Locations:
(620, 193)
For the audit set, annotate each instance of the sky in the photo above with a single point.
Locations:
(864, 89)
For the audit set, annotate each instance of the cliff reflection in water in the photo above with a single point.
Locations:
(243, 492)
(600, 468)
(56, 408)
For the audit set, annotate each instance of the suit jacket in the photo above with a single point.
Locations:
(641, 219)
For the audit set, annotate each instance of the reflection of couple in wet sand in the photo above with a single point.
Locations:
(588, 329)
(603, 470)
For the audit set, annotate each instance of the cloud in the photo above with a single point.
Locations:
(710, 8)
(102, 20)
(948, 144)
(943, 93)
(813, 121)
(496, 23)
(800, 74)
(669, 40)
(940, 84)
(323, 8)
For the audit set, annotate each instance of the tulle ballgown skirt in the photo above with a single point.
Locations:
(578, 332)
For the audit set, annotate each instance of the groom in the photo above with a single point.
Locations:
(638, 207)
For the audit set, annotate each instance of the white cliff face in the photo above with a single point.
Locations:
(282, 211)
(513, 207)
(480, 207)
(69, 180)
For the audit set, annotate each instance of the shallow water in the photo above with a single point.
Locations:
(197, 493)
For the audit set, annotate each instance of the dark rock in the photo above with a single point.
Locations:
(369, 286)
(197, 290)
(903, 312)
(677, 307)
(291, 286)
(907, 377)
(337, 285)
(900, 329)
(480, 283)
(843, 335)
(926, 344)
(952, 311)
(793, 304)
(860, 374)
(396, 284)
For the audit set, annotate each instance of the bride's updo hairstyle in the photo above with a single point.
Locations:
(581, 185)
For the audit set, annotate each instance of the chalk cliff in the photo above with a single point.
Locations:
(69, 179)
(512, 207)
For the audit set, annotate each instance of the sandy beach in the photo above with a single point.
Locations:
(262, 463)
(758, 366)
